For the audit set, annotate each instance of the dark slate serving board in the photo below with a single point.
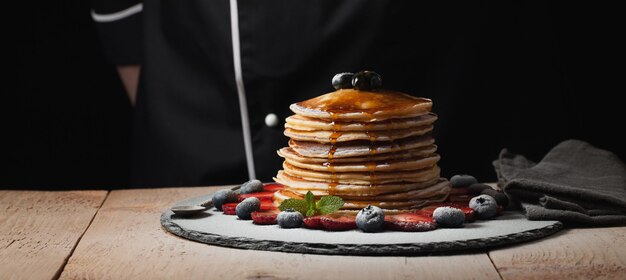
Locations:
(212, 227)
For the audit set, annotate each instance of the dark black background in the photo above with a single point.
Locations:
(542, 74)
(66, 120)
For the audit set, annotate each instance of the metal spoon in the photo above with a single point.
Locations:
(187, 210)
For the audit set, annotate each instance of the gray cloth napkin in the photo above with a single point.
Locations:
(575, 183)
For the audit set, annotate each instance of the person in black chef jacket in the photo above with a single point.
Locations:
(217, 78)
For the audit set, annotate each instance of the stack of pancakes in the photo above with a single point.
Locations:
(367, 147)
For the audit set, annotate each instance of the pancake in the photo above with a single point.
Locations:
(301, 186)
(363, 178)
(414, 204)
(367, 147)
(371, 166)
(441, 186)
(358, 148)
(437, 192)
(289, 153)
(302, 123)
(435, 188)
(364, 106)
(335, 137)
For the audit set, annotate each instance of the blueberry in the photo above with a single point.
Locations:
(289, 218)
(245, 208)
(223, 196)
(449, 217)
(251, 186)
(462, 180)
(367, 80)
(484, 206)
(500, 197)
(370, 219)
(343, 80)
(477, 188)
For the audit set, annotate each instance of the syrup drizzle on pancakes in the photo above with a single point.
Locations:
(368, 147)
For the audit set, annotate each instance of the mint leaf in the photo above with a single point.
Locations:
(310, 204)
(329, 204)
(296, 204)
(310, 200)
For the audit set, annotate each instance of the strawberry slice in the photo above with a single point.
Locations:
(426, 212)
(409, 222)
(469, 214)
(272, 187)
(313, 222)
(338, 222)
(267, 217)
(268, 206)
(229, 208)
(262, 196)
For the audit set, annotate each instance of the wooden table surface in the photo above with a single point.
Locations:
(118, 235)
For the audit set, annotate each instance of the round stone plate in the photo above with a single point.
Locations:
(213, 227)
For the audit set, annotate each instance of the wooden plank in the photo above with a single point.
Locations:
(39, 230)
(126, 241)
(583, 253)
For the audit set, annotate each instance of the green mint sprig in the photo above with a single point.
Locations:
(308, 207)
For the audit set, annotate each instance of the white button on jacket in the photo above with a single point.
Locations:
(271, 120)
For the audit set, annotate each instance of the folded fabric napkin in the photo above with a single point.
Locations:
(575, 183)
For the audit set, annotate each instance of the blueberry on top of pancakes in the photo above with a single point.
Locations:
(367, 80)
(342, 80)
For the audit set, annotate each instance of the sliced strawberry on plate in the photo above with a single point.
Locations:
(469, 214)
(268, 205)
(272, 187)
(426, 212)
(262, 196)
(338, 222)
(229, 208)
(267, 217)
(409, 222)
(313, 222)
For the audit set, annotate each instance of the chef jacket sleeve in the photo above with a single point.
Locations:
(119, 24)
